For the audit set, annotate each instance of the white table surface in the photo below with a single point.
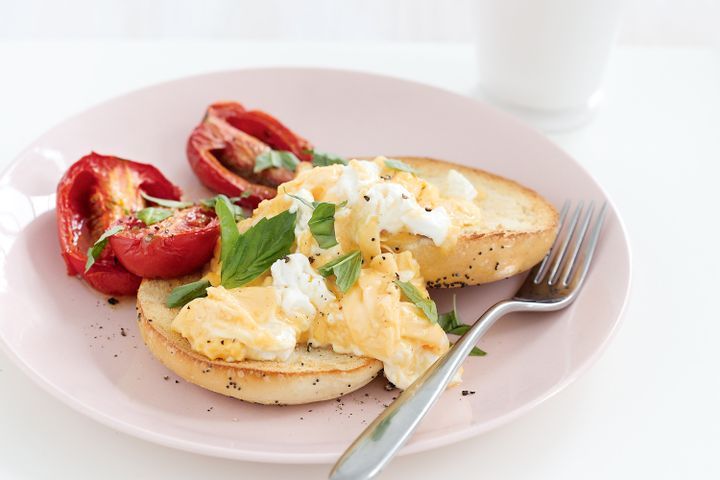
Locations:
(647, 409)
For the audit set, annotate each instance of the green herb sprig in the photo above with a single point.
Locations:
(94, 252)
(237, 210)
(277, 159)
(346, 269)
(450, 323)
(412, 293)
(185, 293)
(393, 164)
(244, 257)
(164, 202)
(257, 249)
(323, 159)
(322, 221)
(153, 215)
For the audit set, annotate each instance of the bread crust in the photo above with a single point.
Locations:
(489, 251)
(310, 375)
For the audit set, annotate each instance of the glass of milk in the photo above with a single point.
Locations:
(545, 60)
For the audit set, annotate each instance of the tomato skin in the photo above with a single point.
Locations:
(268, 129)
(176, 246)
(92, 194)
(105, 276)
(204, 143)
(222, 150)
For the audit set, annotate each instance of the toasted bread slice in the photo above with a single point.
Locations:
(514, 231)
(309, 375)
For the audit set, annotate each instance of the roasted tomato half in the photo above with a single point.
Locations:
(222, 151)
(96, 191)
(175, 246)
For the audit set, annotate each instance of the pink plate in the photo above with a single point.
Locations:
(68, 338)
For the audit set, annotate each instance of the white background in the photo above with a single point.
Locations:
(647, 409)
(647, 22)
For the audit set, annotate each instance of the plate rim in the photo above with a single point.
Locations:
(425, 444)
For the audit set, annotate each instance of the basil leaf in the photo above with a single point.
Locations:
(425, 304)
(276, 158)
(322, 221)
(228, 227)
(476, 352)
(458, 330)
(257, 249)
(94, 252)
(236, 209)
(346, 269)
(184, 293)
(210, 202)
(399, 165)
(450, 322)
(164, 202)
(302, 200)
(323, 159)
(152, 215)
(322, 225)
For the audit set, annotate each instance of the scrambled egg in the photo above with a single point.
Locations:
(292, 303)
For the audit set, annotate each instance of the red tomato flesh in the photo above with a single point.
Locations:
(178, 245)
(92, 194)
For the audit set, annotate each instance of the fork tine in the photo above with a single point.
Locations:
(555, 271)
(570, 264)
(540, 270)
(590, 249)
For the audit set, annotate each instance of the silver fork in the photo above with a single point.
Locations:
(551, 285)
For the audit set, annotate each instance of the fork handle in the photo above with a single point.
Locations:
(381, 440)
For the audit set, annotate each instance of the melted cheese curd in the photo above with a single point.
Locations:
(292, 304)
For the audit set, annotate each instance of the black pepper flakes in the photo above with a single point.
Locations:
(113, 301)
(465, 393)
(367, 199)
